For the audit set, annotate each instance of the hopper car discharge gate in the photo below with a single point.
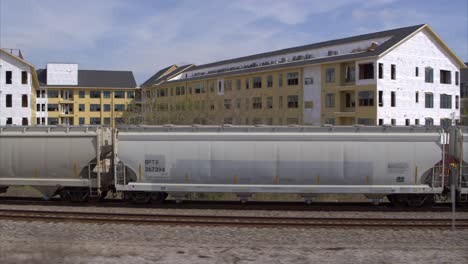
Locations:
(405, 164)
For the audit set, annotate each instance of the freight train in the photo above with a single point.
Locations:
(410, 166)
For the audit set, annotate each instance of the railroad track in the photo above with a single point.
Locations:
(207, 220)
(235, 205)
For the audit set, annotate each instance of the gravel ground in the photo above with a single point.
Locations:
(41, 242)
(269, 213)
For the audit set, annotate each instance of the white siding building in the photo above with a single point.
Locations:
(16, 89)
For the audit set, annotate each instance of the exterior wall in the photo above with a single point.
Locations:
(41, 112)
(464, 96)
(342, 113)
(73, 117)
(210, 107)
(312, 95)
(62, 74)
(421, 50)
(17, 112)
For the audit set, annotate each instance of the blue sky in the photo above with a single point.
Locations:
(146, 35)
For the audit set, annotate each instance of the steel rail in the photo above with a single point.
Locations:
(218, 220)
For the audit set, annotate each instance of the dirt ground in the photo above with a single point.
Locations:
(41, 242)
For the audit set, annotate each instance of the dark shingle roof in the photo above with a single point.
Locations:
(157, 76)
(95, 78)
(398, 34)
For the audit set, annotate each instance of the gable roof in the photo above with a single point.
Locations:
(35, 81)
(152, 80)
(95, 78)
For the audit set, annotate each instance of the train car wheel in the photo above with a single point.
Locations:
(157, 197)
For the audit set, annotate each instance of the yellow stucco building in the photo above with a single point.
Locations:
(404, 76)
(68, 96)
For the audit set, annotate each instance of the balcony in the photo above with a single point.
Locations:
(66, 114)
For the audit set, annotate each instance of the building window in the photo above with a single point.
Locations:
(9, 121)
(429, 121)
(38, 93)
(24, 100)
(280, 80)
(24, 121)
(107, 120)
(309, 81)
(95, 120)
(380, 98)
(293, 101)
(293, 78)
(95, 107)
(119, 107)
(280, 102)
(257, 103)
(95, 94)
(416, 71)
(238, 84)
(393, 72)
(457, 78)
(8, 77)
(9, 100)
(445, 77)
(445, 101)
(366, 98)
(81, 108)
(131, 94)
(199, 88)
(106, 94)
(257, 82)
(393, 122)
(407, 122)
(38, 107)
(269, 102)
(227, 104)
(350, 72)
(43, 120)
(81, 94)
(52, 121)
(247, 83)
(381, 122)
(365, 121)
(38, 120)
(417, 97)
(227, 85)
(429, 75)
(81, 121)
(53, 94)
(330, 75)
(238, 103)
(429, 100)
(366, 71)
(227, 120)
(330, 100)
(393, 99)
(211, 86)
(416, 122)
(24, 77)
(457, 102)
(380, 70)
(118, 120)
(121, 94)
(43, 107)
(43, 93)
(270, 81)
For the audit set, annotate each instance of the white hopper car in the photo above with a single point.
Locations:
(146, 163)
